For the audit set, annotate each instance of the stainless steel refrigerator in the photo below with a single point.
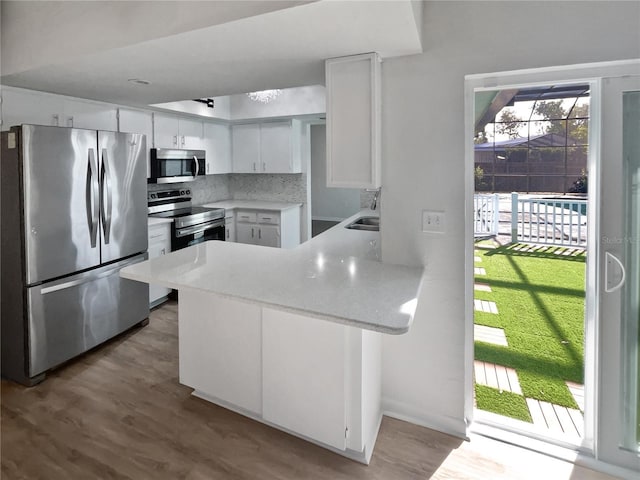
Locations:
(74, 212)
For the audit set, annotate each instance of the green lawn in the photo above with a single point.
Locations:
(540, 298)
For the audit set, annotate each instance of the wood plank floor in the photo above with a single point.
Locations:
(119, 413)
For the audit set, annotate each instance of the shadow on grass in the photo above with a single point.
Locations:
(525, 362)
(540, 251)
(532, 287)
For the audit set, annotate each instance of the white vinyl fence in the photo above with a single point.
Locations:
(552, 221)
(486, 214)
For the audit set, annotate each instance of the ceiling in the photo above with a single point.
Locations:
(242, 46)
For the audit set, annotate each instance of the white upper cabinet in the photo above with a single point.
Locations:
(191, 134)
(174, 132)
(270, 147)
(27, 106)
(246, 148)
(280, 147)
(353, 121)
(217, 139)
(91, 115)
(137, 121)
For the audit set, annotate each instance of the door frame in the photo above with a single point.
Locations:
(591, 73)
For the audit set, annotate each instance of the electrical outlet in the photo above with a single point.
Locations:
(433, 222)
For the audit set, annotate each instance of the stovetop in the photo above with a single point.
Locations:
(176, 204)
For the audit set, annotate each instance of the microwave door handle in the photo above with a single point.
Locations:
(197, 166)
(92, 197)
(105, 180)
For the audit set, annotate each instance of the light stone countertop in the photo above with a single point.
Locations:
(252, 205)
(158, 221)
(336, 276)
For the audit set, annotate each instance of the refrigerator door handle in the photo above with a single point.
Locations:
(91, 199)
(105, 181)
(79, 281)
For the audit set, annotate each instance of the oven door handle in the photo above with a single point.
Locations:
(199, 228)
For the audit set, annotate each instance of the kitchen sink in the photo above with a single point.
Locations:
(371, 224)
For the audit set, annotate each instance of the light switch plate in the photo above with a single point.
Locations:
(432, 221)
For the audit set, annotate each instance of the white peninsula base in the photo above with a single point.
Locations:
(315, 379)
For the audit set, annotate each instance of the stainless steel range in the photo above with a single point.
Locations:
(190, 225)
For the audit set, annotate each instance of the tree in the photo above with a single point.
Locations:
(481, 137)
(577, 123)
(509, 124)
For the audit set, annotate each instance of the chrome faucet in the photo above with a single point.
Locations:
(376, 195)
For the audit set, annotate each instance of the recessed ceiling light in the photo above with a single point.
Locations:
(139, 81)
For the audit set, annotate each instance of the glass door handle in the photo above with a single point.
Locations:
(610, 260)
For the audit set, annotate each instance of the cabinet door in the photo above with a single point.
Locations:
(268, 235)
(191, 134)
(90, 115)
(303, 376)
(246, 233)
(219, 348)
(275, 147)
(26, 106)
(165, 131)
(157, 249)
(137, 121)
(230, 230)
(246, 148)
(217, 139)
(353, 121)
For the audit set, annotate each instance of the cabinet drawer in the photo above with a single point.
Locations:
(158, 237)
(270, 218)
(249, 217)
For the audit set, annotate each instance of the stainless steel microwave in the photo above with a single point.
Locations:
(169, 165)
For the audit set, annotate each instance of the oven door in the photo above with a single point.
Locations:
(173, 165)
(203, 232)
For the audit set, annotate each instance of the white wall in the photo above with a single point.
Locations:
(423, 166)
(328, 203)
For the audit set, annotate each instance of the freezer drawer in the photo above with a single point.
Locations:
(72, 315)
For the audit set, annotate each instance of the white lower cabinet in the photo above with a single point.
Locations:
(159, 244)
(268, 228)
(229, 227)
(303, 373)
(316, 379)
(220, 349)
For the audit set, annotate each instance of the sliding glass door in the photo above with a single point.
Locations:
(619, 360)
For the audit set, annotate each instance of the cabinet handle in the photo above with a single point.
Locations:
(175, 140)
(259, 233)
(227, 234)
(55, 121)
(162, 252)
(252, 232)
(264, 167)
(254, 166)
(70, 121)
(266, 218)
(183, 140)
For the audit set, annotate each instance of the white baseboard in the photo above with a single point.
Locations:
(451, 426)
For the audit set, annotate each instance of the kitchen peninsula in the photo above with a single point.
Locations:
(290, 337)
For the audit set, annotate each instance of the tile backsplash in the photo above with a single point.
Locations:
(269, 187)
(205, 189)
